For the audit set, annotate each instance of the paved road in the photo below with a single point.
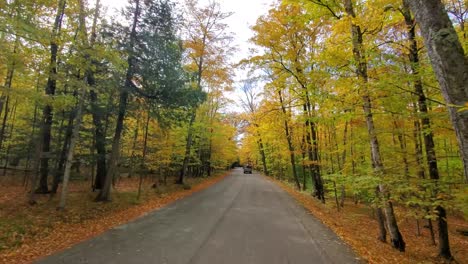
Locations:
(244, 219)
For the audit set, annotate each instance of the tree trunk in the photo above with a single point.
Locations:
(104, 194)
(361, 71)
(71, 149)
(304, 166)
(47, 113)
(31, 142)
(193, 114)
(450, 66)
(5, 98)
(311, 139)
(381, 221)
(207, 163)
(143, 155)
(10, 133)
(316, 174)
(262, 154)
(292, 157)
(418, 148)
(188, 146)
(444, 247)
(100, 137)
(343, 162)
(134, 145)
(96, 111)
(63, 155)
(35, 172)
(7, 110)
(4, 121)
(402, 144)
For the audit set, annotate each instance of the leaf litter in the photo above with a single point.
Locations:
(356, 225)
(28, 233)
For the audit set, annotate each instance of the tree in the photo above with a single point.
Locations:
(250, 105)
(104, 194)
(361, 72)
(289, 39)
(100, 137)
(207, 47)
(450, 65)
(154, 70)
(451, 68)
(50, 88)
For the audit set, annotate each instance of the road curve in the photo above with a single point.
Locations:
(243, 219)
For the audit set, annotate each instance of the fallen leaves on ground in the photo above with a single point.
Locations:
(357, 227)
(41, 230)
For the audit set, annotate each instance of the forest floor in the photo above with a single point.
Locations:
(356, 225)
(29, 232)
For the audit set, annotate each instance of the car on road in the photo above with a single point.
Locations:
(248, 169)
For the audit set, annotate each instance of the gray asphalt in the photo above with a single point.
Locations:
(241, 219)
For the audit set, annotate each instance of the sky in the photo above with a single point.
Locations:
(245, 14)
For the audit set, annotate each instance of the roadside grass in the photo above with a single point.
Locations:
(30, 232)
(357, 226)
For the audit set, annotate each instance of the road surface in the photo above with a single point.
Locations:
(243, 219)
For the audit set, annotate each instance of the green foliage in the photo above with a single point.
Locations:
(93, 57)
(461, 200)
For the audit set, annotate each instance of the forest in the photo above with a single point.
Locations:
(350, 102)
(92, 97)
(113, 94)
(364, 102)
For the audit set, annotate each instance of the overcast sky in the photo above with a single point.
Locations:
(245, 14)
